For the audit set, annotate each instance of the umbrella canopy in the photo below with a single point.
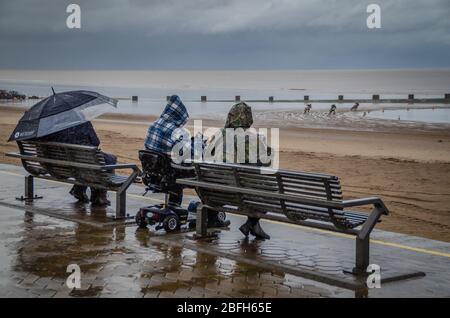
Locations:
(60, 111)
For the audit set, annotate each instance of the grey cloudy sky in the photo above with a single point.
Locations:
(224, 34)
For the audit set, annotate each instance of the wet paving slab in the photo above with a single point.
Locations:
(39, 241)
(121, 261)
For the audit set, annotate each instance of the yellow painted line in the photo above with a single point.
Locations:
(380, 242)
(337, 234)
(12, 173)
(410, 248)
(59, 182)
(144, 198)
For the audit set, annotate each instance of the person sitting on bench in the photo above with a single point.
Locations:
(83, 134)
(162, 137)
(240, 116)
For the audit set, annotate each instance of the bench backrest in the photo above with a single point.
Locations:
(298, 185)
(67, 153)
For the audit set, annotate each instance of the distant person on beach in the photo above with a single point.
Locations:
(307, 109)
(354, 107)
(240, 117)
(332, 110)
(85, 135)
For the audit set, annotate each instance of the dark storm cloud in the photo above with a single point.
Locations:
(224, 34)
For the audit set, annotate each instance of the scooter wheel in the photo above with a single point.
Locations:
(171, 223)
(221, 216)
(140, 221)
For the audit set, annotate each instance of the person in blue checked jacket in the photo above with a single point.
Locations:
(162, 136)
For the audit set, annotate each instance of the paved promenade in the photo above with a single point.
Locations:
(38, 241)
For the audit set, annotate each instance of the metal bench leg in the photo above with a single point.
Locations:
(363, 242)
(362, 255)
(29, 190)
(201, 224)
(121, 204)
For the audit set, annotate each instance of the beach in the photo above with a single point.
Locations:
(407, 165)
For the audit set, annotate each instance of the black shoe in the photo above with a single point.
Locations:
(79, 192)
(245, 229)
(99, 198)
(257, 231)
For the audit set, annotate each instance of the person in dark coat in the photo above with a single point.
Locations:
(307, 109)
(332, 110)
(85, 135)
(355, 107)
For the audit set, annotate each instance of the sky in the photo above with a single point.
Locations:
(224, 34)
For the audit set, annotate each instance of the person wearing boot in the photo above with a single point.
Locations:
(240, 116)
(162, 137)
(83, 134)
(99, 197)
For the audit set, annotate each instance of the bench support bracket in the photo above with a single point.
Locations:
(29, 190)
(201, 225)
(362, 255)
(121, 203)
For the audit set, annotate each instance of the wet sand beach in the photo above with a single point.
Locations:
(408, 166)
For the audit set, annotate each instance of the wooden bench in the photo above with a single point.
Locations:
(74, 164)
(308, 199)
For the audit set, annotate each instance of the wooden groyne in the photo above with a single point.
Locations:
(376, 98)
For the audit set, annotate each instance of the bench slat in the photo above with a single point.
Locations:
(83, 164)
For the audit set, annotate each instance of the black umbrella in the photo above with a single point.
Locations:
(60, 111)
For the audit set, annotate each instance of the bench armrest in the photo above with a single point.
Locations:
(13, 154)
(123, 166)
(366, 201)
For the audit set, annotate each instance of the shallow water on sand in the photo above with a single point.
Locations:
(438, 115)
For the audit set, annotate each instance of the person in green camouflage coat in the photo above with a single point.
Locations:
(240, 117)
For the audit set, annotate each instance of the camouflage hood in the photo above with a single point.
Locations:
(239, 116)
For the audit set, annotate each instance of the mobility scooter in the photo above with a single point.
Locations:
(159, 175)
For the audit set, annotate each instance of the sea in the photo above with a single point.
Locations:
(152, 87)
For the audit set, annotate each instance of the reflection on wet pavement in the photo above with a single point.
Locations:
(122, 262)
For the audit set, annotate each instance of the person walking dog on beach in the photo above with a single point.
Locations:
(332, 110)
